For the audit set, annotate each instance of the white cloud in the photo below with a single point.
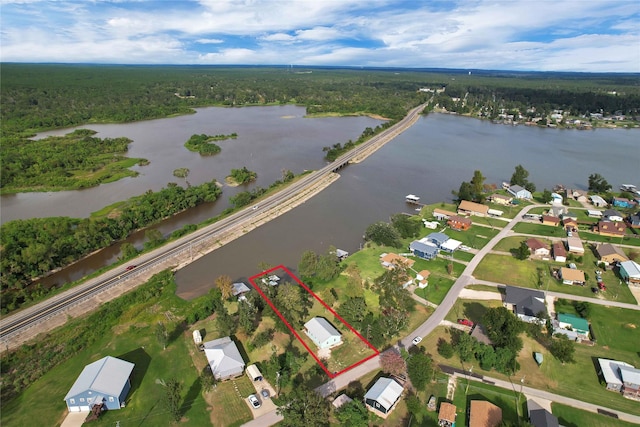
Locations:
(209, 41)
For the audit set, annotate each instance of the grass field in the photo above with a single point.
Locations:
(513, 404)
(573, 417)
(437, 289)
(509, 243)
(628, 239)
(538, 229)
(511, 271)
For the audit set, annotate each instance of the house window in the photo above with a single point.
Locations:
(82, 399)
(72, 401)
(110, 398)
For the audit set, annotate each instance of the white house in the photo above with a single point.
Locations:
(598, 201)
(630, 272)
(322, 333)
(519, 192)
(224, 358)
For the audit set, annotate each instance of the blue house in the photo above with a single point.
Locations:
(423, 250)
(622, 202)
(437, 238)
(105, 381)
(519, 192)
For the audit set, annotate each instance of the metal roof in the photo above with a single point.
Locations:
(107, 376)
(632, 268)
(385, 391)
(223, 355)
(320, 329)
(611, 370)
(576, 322)
(630, 375)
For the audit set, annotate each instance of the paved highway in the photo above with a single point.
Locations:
(13, 324)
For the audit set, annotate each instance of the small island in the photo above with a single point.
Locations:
(240, 176)
(204, 145)
(181, 172)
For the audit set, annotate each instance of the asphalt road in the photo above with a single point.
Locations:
(155, 261)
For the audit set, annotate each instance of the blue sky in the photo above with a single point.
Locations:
(543, 35)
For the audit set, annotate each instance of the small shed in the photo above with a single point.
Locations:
(538, 357)
(254, 373)
(341, 254)
(197, 336)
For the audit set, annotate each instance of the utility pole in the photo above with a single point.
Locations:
(468, 373)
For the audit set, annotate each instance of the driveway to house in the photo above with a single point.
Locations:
(467, 293)
(74, 419)
(268, 419)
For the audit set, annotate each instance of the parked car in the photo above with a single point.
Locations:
(416, 340)
(131, 267)
(264, 393)
(595, 290)
(464, 248)
(466, 322)
(253, 399)
(602, 286)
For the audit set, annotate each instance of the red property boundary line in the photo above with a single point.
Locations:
(331, 375)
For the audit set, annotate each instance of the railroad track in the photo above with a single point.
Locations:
(13, 324)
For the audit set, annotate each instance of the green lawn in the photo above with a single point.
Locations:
(475, 237)
(628, 239)
(509, 243)
(463, 256)
(471, 309)
(511, 271)
(513, 404)
(572, 417)
(538, 229)
(436, 291)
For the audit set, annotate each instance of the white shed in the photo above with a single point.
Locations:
(197, 337)
(254, 373)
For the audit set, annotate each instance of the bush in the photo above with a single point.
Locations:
(445, 349)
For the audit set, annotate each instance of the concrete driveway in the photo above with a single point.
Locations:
(74, 419)
(266, 404)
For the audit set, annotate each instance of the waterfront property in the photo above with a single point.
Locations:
(105, 382)
(322, 333)
(240, 288)
(598, 201)
(500, 199)
(224, 358)
(437, 239)
(391, 261)
(459, 223)
(383, 396)
(471, 208)
(519, 192)
(441, 214)
(527, 304)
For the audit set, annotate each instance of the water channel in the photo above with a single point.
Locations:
(430, 159)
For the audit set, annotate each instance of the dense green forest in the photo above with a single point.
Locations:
(33, 247)
(74, 161)
(36, 97)
(242, 176)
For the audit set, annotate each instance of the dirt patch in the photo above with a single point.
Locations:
(630, 325)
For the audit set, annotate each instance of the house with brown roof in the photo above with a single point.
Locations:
(550, 220)
(391, 261)
(579, 195)
(500, 199)
(572, 276)
(447, 415)
(610, 228)
(570, 224)
(459, 223)
(559, 252)
(609, 253)
(472, 208)
(484, 414)
(538, 249)
(423, 278)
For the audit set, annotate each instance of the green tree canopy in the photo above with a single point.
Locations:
(383, 234)
(304, 407)
(598, 184)
(419, 368)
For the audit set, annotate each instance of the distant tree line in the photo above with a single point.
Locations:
(33, 247)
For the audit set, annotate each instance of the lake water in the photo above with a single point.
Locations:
(430, 159)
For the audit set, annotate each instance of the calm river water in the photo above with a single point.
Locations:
(430, 159)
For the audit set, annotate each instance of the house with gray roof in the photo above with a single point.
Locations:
(105, 381)
(382, 397)
(240, 288)
(437, 239)
(630, 272)
(519, 193)
(423, 249)
(322, 333)
(527, 304)
(224, 358)
(621, 377)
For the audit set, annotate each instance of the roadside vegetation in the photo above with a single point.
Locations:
(33, 247)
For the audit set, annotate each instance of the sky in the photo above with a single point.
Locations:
(529, 35)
